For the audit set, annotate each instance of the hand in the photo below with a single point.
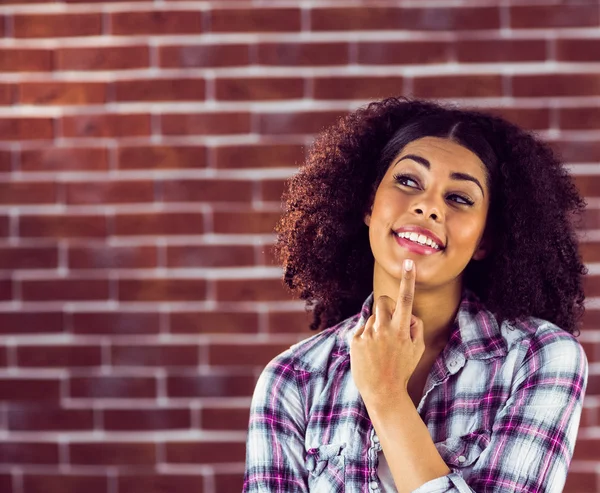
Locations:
(385, 352)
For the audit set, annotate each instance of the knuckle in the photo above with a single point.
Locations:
(406, 298)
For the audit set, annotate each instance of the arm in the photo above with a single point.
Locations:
(275, 443)
(532, 439)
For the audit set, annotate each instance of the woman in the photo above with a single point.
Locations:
(438, 248)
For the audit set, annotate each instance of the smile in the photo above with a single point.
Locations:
(416, 247)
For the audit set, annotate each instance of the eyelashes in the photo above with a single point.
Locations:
(401, 178)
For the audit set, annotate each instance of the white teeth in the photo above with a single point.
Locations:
(421, 239)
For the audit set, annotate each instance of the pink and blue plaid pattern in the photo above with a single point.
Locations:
(502, 404)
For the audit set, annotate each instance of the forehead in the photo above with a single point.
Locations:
(446, 153)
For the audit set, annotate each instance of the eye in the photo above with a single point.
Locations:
(401, 179)
(466, 201)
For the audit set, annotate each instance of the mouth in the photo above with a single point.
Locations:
(425, 247)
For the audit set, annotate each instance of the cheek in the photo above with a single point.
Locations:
(466, 231)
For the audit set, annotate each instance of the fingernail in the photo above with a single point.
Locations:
(408, 265)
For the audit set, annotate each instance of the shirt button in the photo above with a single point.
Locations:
(373, 485)
(453, 363)
(376, 439)
(462, 458)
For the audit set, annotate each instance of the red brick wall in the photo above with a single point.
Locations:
(143, 149)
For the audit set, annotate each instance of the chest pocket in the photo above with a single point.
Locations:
(463, 451)
(326, 467)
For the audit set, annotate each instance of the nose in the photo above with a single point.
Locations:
(428, 208)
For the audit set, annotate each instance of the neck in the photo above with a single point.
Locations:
(436, 307)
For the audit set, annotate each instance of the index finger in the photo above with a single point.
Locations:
(404, 304)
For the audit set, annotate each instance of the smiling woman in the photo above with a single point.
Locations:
(437, 246)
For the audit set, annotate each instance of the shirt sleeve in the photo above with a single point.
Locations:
(275, 455)
(534, 434)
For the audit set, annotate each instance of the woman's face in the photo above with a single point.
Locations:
(437, 185)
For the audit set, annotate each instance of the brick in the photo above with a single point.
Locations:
(588, 186)
(458, 86)
(204, 452)
(26, 128)
(62, 226)
(62, 93)
(4, 226)
(529, 118)
(591, 219)
(229, 481)
(162, 157)
(159, 223)
(22, 192)
(7, 94)
(581, 482)
(26, 60)
(161, 483)
(272, 190)
(573, 84)
(188, 322)
(112, 387)
(183, 256)
(70, 289)
(6, 161)
(49, 418)
(591, 286)
(549, 16)
(255, 20)
(154, 355)
(6, 290)
(587, 449)
(251, 290)
(147, 419)
(258, 156)
(205, 123)
(403, 52)
(590, 251)
(28, 258)
(57, 25)
(107, 125)
(303, 54)
(243, 355)
(591, 319)
(290, 322)
(3, 357)
(103, 58)
(251, 222)
(154, 89)
(112, 453)
(113, 257)
(65, 159)
(578, 151)
(205, 56)
(501, 50)
(207, 190)
(300, 123)
(578, 50)
(210, 385)
(259, 88)
(64, 482)
(162, 289)
(584, 118)
(223, 418)
(109, 192)
(58, 356)
(357, 87)
(29, 389)
(28, 322)
(157, 22)
(115, 323)
(28, 453)
(6, 483)
(394, 18)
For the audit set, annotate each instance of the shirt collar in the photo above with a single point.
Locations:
(475, 332)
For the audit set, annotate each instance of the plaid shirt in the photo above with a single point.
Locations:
(501, 403)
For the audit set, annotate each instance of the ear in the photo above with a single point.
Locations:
(482, 250)
(367, 218)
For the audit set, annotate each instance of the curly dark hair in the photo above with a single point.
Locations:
(534, 267)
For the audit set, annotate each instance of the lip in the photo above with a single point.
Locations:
(421, 231)
(415, 247)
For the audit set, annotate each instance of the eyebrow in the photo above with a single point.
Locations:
(454, 175)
